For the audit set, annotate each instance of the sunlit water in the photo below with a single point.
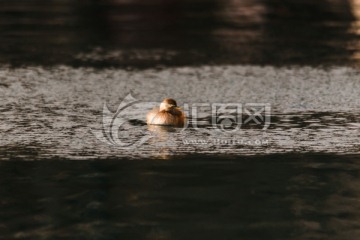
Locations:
(57, 112)
(61, 61)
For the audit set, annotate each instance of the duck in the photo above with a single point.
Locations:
(168, 114)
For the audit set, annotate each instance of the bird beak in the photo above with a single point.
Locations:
(178, 108)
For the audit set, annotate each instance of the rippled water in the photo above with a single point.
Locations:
(55, 112)
(61, 61)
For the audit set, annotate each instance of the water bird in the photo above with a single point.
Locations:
(168, 114)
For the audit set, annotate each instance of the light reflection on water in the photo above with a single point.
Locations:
(356, 29)
(54, 112)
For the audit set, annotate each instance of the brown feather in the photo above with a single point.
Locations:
(169, 118)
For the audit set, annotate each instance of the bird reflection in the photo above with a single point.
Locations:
(164, 139)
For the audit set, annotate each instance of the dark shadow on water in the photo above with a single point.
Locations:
(289, 196)
(179, 33)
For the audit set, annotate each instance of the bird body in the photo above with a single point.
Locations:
(168, 114)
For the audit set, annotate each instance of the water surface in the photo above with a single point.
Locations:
(61, 61)
(180, 33)
(290, 196)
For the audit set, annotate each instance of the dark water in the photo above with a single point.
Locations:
(179, 33)
(292, 196)
(60, 61)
